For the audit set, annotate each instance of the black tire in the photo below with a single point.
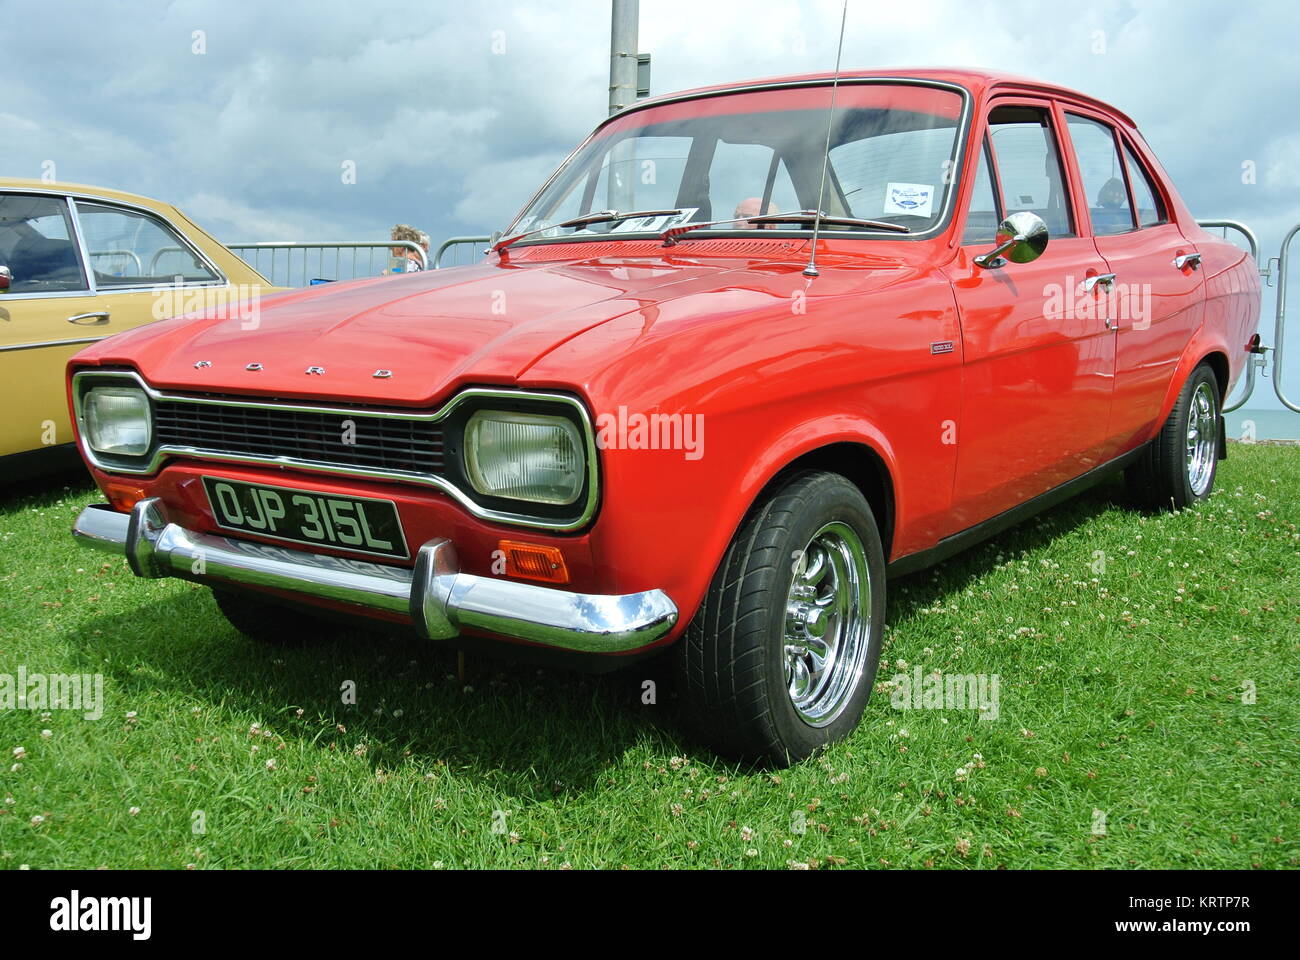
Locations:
(1167, 477)
(272, 623)
(732, 660)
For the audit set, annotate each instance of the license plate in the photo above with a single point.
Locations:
(359, 524)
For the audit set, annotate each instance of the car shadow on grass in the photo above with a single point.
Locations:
(539, 733)
(926, 588)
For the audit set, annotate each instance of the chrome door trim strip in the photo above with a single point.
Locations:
(52, 343)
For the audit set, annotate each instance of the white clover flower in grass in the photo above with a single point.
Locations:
(46, 734)
(134, 811)
(20, 752)
(270, 764)
(37, 820)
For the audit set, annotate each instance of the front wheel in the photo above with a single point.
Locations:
(781, 657)
(1178, 467)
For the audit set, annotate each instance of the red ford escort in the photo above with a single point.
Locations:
(749, 353)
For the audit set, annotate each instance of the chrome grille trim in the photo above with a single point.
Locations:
(164, 452)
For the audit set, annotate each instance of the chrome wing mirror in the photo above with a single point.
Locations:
(1021, 238)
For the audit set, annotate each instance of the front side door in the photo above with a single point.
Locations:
(81, 270)
(1156, 301)
(1038, 359)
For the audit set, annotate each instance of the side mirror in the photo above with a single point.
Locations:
(6, 278)
(1022, 238)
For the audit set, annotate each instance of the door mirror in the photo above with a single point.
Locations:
(6, 278)
(1021, 238)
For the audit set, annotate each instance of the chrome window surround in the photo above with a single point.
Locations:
(944, 222)
(164, 452)
(71, 198)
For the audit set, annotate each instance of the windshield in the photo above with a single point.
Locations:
(748, 154)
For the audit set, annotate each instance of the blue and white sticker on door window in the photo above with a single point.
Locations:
(914, 198)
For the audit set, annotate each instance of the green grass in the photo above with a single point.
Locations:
(1121, 692)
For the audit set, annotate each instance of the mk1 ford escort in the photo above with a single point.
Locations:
(752, 351)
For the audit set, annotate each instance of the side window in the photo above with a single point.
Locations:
(1149, 208)
(37, 246)
(738, 178)
(128, 249)
(1029, 166)
(1103, 176)
(982, 220)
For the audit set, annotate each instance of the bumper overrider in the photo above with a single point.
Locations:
(440, 600)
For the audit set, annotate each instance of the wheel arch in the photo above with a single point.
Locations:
(856, 461)
(1201, 349)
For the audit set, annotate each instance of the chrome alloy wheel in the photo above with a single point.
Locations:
(827, 624)
(1202, 439)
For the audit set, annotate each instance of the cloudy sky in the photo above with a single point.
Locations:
(453, 113)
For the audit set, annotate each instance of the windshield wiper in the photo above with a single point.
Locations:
(808, 216)
(586, 220)
(672, 234)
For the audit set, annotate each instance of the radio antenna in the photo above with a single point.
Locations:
(811, 270)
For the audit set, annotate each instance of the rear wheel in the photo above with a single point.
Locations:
(780, 659)
(1179, 466)
(272, 623)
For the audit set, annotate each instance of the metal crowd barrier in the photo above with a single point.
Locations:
(457, 242)
(289, 270)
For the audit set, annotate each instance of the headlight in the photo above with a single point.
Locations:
(524, 456)
(117, 420)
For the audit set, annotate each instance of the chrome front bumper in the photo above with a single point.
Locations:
(440, 600)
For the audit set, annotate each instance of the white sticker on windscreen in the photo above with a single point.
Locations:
(914, 198)
(655, 224)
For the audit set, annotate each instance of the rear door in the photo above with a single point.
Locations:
(1155, 303)
(1038, 360)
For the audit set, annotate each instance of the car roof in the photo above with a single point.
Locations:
(59, 187)
(976, 81)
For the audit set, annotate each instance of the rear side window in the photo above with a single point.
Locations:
(1146, 199)
(37, 245)
(1029, 166)
(1103, 176)
(127, 248)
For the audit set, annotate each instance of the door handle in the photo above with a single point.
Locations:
(1184, 260)
(96, 319)
(1090, 282)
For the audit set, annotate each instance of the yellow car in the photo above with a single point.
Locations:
(78, 264)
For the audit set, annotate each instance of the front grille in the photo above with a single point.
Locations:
(382, 443)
